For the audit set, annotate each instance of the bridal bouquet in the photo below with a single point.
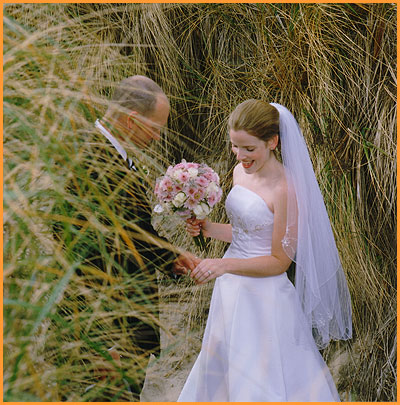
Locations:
(189, 190)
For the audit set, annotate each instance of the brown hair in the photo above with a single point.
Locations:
(136, 93)
(256, 117)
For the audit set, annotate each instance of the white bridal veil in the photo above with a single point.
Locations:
(309, 242)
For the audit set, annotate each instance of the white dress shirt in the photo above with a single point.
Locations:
(115, 143)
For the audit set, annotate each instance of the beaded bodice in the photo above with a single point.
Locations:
(252, 223)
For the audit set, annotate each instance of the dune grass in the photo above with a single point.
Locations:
(332, 65)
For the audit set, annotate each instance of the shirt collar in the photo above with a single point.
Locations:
(112, 139)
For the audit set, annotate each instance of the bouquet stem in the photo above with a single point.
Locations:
(200, 241)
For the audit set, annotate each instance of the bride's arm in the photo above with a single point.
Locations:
(218, 231)
(262, 266)
(210, 229)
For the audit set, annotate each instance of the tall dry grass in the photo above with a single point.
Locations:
(332, 65)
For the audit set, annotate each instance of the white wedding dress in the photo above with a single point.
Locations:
(256, 345)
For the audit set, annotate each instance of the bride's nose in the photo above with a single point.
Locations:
(240, 154)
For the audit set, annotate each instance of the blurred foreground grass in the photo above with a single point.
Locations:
(333, 65)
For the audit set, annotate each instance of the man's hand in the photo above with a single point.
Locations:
(185, 262)
(109, 371)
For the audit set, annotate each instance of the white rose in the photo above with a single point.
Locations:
(212, 188)
(202, 210)
(193, 172)
(158, 209)
(179, 199)
(177, 173)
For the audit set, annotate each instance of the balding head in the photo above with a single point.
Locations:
(136, 93)
(138, 110)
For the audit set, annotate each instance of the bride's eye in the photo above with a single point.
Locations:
(250, 149)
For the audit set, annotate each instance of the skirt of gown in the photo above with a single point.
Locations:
(257, 347)
(263, 355)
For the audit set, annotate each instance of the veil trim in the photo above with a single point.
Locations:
(320, 280)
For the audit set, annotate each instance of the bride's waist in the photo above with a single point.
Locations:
(231, 280)
(247, 250)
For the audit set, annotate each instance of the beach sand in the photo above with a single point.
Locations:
(166, 375)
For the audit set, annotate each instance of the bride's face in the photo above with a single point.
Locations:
(250, 151)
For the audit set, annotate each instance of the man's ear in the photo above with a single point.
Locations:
(130, 119)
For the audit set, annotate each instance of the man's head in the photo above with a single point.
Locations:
(138, 111)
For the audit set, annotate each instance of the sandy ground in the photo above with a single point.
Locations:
(163, 385)
(166, 376)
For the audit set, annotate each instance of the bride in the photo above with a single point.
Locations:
(263, 334)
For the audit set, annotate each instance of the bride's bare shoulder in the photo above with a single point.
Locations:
(237, 173)
(238, 169)
(281, 187)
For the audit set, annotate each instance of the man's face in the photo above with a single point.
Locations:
(144, 129)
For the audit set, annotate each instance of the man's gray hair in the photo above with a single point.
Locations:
(137, 93)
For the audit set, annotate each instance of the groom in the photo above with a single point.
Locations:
(126, 248)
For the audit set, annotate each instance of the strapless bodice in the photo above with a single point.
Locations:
(252, 224)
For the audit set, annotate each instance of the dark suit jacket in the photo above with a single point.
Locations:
(111, 222)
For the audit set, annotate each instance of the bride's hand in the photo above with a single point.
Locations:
(193, 226)
(207, 270)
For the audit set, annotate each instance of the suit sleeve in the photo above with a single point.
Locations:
(153, 256)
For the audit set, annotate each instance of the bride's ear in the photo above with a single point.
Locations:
(273, 142)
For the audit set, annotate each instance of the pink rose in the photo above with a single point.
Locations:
(196, 193)
(190, 203)
(202, 181)
(166, 184)
(177, 188)
(181, 165)
(212, 199)
(199, 194)
(215, 177)
(208, 175)
(183, 177)
(166, 196)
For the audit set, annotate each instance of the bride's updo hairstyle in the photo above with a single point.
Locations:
(256, 117)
